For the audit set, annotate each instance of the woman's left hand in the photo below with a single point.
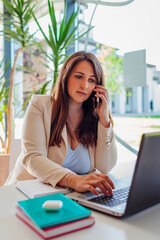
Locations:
(103, 106)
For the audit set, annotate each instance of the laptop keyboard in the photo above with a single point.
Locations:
(119, 196)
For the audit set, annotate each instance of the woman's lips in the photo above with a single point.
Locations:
(81, 93)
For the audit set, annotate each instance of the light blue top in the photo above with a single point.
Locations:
(77, 160)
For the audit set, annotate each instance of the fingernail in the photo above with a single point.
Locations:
(110, 194)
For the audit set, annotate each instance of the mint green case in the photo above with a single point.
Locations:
(70, 211)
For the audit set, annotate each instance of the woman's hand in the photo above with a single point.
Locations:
(90, 182)
(103, 106)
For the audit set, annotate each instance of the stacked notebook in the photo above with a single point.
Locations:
(49, 224)
(36, 188)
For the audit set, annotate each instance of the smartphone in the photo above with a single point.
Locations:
(97, 99)
(96, 102)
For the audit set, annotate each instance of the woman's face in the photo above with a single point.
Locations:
(81, 81)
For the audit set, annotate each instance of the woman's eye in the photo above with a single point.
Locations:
(78, 76)
(92, 80)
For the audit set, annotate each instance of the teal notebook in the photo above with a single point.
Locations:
(70, 210)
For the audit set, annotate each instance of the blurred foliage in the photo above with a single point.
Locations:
(4, 91)
(113, 69)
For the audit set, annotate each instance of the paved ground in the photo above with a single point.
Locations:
(130, 130)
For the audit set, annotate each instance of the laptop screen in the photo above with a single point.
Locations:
(145, 186)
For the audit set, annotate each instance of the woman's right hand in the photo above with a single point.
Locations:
(90, 182)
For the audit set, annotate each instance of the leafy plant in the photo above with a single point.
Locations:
(40, 91)
(59, 39)
(15, 21)
(4, 91)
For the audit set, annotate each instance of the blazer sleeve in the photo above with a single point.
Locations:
(106, 150)
(35, 143)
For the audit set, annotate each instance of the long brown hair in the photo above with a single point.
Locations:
(87, 129)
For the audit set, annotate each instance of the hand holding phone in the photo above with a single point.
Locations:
(102, 102)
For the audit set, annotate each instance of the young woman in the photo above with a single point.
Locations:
(66, 136)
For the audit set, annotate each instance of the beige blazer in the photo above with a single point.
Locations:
(38, 160)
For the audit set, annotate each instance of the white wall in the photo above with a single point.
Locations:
(119, 101)
(137, 100)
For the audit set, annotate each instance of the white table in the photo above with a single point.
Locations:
(142, 226)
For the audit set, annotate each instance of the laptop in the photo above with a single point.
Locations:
(143, 190)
